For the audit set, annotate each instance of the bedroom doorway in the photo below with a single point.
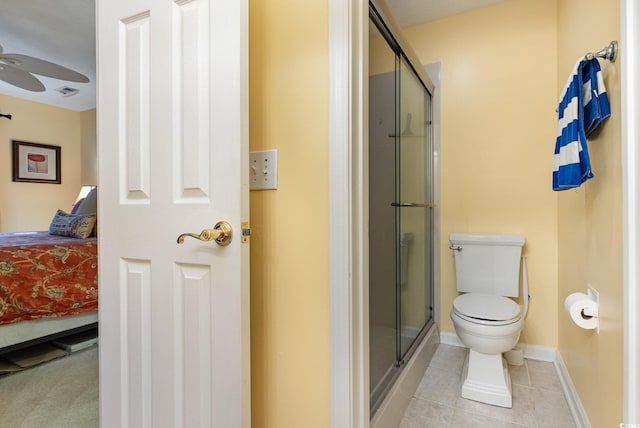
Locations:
(29, 28)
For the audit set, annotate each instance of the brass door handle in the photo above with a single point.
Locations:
(221, 233)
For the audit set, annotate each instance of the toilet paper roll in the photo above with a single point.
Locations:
(579, 304)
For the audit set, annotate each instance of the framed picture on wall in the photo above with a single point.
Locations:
(36, 163)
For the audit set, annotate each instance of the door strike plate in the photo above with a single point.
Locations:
(246, 232)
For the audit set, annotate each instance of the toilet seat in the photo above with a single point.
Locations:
(486, 309)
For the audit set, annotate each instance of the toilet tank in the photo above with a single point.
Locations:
(487, 263)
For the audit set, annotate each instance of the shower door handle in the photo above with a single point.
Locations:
(412, 205)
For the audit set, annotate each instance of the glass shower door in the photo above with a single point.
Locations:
(414, 205)
(400, 212)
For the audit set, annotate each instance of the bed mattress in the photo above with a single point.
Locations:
(43, 275)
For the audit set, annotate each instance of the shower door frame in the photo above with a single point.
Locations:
(410, 88)
(348, 244)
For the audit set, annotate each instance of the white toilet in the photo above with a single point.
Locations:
(487, 322)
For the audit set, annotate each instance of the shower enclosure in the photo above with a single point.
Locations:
(401, 217)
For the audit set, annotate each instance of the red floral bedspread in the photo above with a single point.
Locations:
(42, 275)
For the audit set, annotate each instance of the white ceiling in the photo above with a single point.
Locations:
(62, 31)
(412, 12)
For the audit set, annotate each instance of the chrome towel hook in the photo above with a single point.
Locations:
(609, 53)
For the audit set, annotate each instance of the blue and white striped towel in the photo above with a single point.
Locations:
(584, 101)
(596, 101)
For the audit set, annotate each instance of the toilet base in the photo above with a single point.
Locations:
(485, 378)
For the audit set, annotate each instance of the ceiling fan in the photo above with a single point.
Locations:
(19, 70)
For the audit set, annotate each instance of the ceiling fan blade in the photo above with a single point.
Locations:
(44, 68)
(20, 78)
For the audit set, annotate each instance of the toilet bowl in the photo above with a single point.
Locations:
(485, 320)
(487, 323)
(490, 326)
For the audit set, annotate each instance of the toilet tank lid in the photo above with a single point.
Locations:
(473, 238)
(486, 306)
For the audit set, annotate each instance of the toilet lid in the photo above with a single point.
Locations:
(486, 307)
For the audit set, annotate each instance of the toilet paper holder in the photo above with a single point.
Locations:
(590, 313)
(593, 294)
(584, 308)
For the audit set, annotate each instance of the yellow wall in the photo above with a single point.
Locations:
(590, 224)
(31, 206)
(88, 148)
(498, 120)
(289, 91)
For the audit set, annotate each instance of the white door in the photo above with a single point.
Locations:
(173, 151)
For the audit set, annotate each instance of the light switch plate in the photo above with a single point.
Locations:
(263, 170)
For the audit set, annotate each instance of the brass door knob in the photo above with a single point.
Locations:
(221, 233)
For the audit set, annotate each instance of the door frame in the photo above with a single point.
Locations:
(630, 90)
(348, 300)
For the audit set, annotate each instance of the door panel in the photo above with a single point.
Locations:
(192, 109)
(194, 331)
(135, 284)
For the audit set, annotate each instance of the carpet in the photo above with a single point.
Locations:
(61, 393)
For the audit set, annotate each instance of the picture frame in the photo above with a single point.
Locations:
(36, 163)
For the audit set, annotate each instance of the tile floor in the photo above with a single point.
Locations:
(538, 399)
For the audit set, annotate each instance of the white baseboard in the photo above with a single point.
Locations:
(573, 400)
(450, 339)
(533, 352)
(539, 353)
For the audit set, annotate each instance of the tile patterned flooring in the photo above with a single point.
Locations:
(538, 399)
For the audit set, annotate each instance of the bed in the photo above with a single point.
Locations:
(48, 284)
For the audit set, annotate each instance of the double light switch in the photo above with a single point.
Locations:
(263, 170)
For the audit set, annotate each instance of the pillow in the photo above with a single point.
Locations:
(74, 210)
(76, 226)
(89, 204)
